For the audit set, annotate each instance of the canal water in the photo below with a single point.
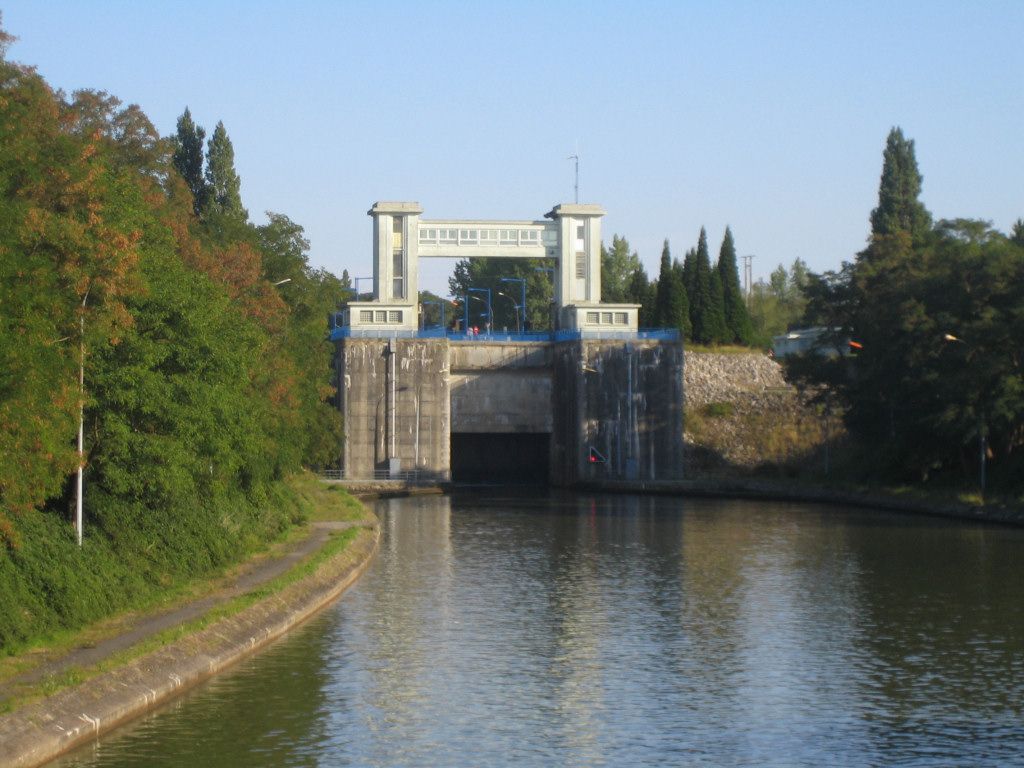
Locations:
(502, 629)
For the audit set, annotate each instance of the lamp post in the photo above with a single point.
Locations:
(520, 321)
(487, 292)
(515, 309)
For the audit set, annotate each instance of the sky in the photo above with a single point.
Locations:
(770, 118)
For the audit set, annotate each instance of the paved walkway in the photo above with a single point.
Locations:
(249, 576)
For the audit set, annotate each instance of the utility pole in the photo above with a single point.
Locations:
(576, 187)
(748, 273)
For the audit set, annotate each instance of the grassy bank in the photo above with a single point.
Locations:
(136, 560)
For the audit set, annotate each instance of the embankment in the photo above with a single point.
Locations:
(39, 732)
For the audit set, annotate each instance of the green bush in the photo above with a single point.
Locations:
(717, 410)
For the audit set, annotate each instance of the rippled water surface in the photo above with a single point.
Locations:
(622, 631)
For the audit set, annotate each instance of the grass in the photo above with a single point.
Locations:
(718, 410)
(322, 502)
(724, 349)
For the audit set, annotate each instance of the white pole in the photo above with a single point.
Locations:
(81, 422)
(81, 429)
(394, 404)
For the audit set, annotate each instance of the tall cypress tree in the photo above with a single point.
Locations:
(899, 209)
(716, 329)
(188, 158)
(737, 319)
(661, 301)
(671, 309)
(687, 275)
(224, 185)
(701, 310)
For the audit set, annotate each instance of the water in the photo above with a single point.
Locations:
(498, 630)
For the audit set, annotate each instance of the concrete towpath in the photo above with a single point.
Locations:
(131, 630)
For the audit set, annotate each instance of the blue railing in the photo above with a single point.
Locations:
(347, 332)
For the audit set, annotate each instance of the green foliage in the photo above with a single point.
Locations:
(224, 197)
(487, 273)
(740, 330)
(670, 306)
(618, 267)
(779, 304)
(205, 384)
(718, 410)
(1017, 233)
(188, 158)
(707, 314)
(939, 316)
(899, 209)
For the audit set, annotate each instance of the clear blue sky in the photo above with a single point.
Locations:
(769, 117)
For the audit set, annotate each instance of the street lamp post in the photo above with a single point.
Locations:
(515, 309)
(487, 292)
(520, 322)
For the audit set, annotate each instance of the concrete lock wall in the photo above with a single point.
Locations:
(501, 388)
(403, 399)
(620, 403)
(395, 401)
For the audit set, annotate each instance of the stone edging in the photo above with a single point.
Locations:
(768, 490)
(44, 730)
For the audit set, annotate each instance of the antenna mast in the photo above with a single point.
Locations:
(576, 187)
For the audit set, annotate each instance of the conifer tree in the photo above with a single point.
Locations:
(671, 310)
(701, 309)
(188, 158)
(737, 319)
(899, 209)
(225, 197)
(1017, 233)
(717, 330)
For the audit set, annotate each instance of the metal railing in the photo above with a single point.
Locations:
(378, 475)
(346, 332)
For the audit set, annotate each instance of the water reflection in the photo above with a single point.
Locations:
(568, 630)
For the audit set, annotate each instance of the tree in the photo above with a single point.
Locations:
(688, 275)
(618, 266)
(717, 329)
(899, 209)
(703, 313)
(487, 273)
(737, 319)
(1017, 234)
(643, 293)
(188, 159)
(937, 315)
(670, 303)
(224, 187)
